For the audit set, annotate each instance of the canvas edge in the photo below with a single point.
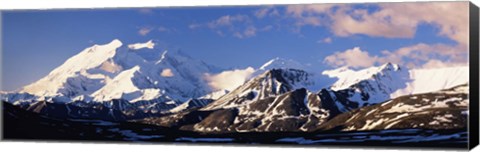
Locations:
(473, 130)
(1, 76)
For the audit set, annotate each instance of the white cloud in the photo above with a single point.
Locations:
(383, 23)
(147, 11)
(325, 40)
(267, 11)
(145, 30)
(239, 26)
(450, 17)
(148, 29)
(266, 28)
(306, 10)
(413, 56)
(391, 20)
(194, 26)
(163, 29)
(228, 20)
(312, 15)
(352, 57)
(418, 54)
(248, 32)
(167, 73)
(229, 80)
(440, 64)
(262, 12)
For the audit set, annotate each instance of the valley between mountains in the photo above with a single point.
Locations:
(138, 84)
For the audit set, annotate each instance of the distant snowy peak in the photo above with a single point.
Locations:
(56, 82)
(405, 80)
(136, 46)
(348, 77)
(89, 58)
(280, 63)
(174, 76)
(428, 80)
(215, 95)
(377, 84)
(110, 71)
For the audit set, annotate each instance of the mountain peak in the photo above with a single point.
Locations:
(136, 46)
(281, 63)
(268, 84)
(104, 48)
(116, 42)
(347, 77)
(90, 58)
(335, 72)
(390, 66)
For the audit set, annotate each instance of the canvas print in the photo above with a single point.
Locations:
(366, 74)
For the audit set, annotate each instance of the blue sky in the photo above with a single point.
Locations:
(35, 42)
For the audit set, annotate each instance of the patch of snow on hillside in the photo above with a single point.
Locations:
(137, 46)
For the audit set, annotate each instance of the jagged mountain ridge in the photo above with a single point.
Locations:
(276, 100)
(302, 111)
(377, 84)
(273, 101)
(111, 71)
(122, 84)
(269, 84)
(291, 108)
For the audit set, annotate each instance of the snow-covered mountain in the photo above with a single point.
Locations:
(355, 89)
(429, 80)
(269, 84)
(273, 101)
(319, 81)
(110, 71)
(348, 77)
(281, 63)
(76, 77)
(377, 84)
(134, 81)
(268, 103)
(141, 83)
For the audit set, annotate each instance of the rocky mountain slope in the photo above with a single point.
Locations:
(445, 109)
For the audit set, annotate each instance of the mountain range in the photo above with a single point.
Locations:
(138, 83)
